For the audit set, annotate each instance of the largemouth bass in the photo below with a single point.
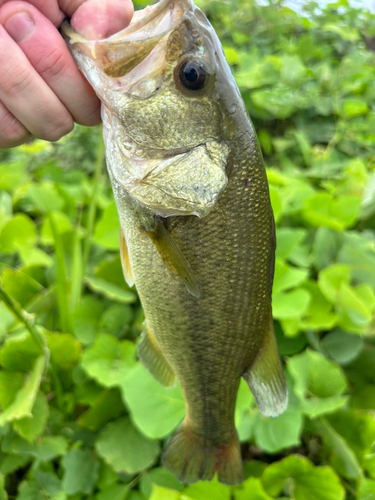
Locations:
(197, 229)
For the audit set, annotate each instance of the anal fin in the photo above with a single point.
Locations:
(168, 248)
(153, 359)
(266, 378)
(125, 262)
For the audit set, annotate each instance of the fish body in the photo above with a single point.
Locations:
(197, 229)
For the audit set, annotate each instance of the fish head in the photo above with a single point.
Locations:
(167, 103)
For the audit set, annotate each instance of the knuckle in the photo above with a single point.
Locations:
(52, 65)
(56, 130)
(91, 118)
(15, 80)
(12, 132)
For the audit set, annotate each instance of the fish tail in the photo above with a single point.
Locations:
(192, 458)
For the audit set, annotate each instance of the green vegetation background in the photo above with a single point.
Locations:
(81, 418)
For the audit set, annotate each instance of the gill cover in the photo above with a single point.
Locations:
(156, 68)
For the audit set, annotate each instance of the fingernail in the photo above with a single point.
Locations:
(20, 26)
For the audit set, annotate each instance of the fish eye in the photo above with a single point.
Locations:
(192, 75)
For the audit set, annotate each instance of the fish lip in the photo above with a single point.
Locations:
(150, 13)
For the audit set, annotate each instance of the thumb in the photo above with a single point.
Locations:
(96, 19)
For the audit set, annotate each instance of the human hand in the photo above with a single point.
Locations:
(42, 92)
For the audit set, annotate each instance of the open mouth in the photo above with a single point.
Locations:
(118, 54)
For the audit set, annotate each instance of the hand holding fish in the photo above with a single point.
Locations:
(42, 93)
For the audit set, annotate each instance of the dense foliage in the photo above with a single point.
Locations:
(81, 418)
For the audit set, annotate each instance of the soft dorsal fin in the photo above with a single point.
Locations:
(124, 254)
(168, 249)
(266, 378)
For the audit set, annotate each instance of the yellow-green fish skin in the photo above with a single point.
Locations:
(211, 340)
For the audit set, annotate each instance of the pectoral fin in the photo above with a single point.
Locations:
(169, 250)
(154, 360)
(125, 260)
(266, 378)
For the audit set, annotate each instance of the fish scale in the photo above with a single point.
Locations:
(199, 244)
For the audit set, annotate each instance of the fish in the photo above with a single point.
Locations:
(197, 233)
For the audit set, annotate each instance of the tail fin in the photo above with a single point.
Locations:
(192, 458)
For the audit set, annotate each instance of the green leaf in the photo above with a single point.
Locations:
(325, 247)
(109, 360)
(204, 490)
(6, 319)
(318, 383)
(159, 477)
(46, 448)
(305, 481)
(331, 278)
(287, 240)
(65, 350)
(25, 397)
(34, 256)
(116, 319)
(166, 405)
(86, 318)
(110, 290)
(19, 352)
(45, 197)
(342, 347)
(61, 277)
(12, 175)
(3, 493)
(366, 490)
(19, 231)
(48, 482)
(287, 277)
(110, 270)
(81, 471)
(291, 304)
(355, 307)
(357, 429)
(11, 463)
(245, 415)
(251, 489)
(340, 446)
(21, 287)
(106, 407)
(107, 229)
(160, 493)
(359, 254)
(31, 427)
(114, 492)
(354, 107)
(275, 434)
(319, 315)
(125, 448)
(322, 209)
(63, 225)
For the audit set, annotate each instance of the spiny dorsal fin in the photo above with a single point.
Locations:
(124, 254)
(154, 360)
(168, 248)
(266, 378)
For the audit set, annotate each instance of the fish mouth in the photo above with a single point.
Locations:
(113, 55)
